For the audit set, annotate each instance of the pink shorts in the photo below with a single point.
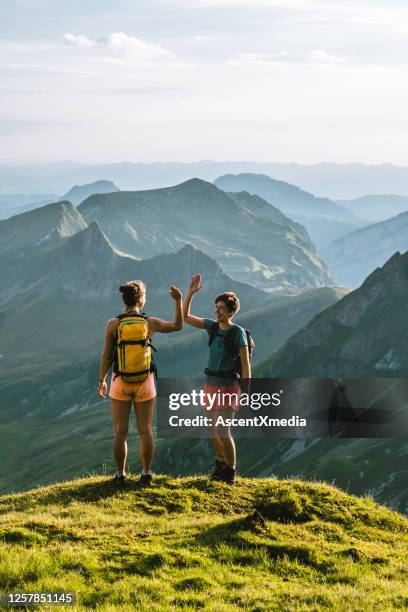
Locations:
(225, 397)
(137, 392)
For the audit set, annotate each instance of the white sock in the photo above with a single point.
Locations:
(146, 473)
(220, 459)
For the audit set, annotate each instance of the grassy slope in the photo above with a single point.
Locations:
(189, 544)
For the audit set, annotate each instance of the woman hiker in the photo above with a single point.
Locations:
(127, 343)
(228, 360)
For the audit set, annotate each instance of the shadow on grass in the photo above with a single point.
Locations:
(64, 494)
(233, 534)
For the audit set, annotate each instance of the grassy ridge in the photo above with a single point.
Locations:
(190, 544)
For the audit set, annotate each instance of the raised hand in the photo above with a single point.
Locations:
(195, 284)
(175, 293)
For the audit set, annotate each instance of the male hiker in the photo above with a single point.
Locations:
(228, 361)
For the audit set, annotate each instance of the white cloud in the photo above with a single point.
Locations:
(320, 55)
(78, 40)
(135, 47)
(120, 43)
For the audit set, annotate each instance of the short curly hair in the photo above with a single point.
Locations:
(231, 301)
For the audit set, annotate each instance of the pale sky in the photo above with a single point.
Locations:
(184, 80)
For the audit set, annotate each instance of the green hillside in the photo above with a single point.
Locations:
(48, 224)
(363, 335)
(186, 544)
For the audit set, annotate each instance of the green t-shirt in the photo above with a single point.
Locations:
(218, 359)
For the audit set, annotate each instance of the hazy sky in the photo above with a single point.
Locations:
(183, 80)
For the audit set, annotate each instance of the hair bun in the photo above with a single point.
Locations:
(132, 292)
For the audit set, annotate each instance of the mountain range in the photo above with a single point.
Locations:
(60, 276)
(272, 255)
(15, 204)
(356, 255)
(324, 219)
(331, 180)
(374, 208)
(61, 267)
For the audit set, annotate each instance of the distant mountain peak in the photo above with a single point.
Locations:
(47, 224)
(85, 265)
(79, 193)
(189, 249)
(91, 239)
(196, 184)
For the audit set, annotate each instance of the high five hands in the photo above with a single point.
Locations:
(195, 284)
(175, 293)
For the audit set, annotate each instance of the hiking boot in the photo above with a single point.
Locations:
(145, 480)
(119, 480)
(219, 467)
(228, 475)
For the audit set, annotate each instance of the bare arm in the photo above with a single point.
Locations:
(166, 327)
(245, 363)
(195, 286)
(106, 357)
(245, 368)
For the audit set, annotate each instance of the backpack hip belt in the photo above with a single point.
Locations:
(220, 374)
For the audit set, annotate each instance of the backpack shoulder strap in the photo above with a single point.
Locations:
(212, 332)
(124, 315)
(230, 341)
(250, 341)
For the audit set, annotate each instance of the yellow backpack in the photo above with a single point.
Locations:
(132, 353)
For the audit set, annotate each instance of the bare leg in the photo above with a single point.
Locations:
(215, 439)
(226, 439)
(120, 416)
(144, 418)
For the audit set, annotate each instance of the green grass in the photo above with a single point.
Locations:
(187, 544)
